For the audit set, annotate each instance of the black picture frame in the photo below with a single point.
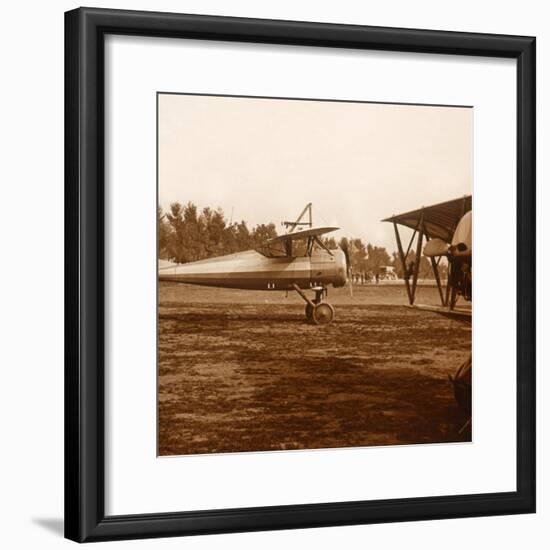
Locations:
(85, 29)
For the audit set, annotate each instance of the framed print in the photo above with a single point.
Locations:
(275, 231)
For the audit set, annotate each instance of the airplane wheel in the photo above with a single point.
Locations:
(309, 312)
(323, 314)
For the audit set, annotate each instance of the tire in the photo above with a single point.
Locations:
(309, 312)
(323, 314)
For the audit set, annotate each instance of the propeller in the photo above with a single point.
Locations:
(345, 245)
(436, 247)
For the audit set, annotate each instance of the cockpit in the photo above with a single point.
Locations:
(290, 248)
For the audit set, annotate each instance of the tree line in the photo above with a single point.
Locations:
(186, 234)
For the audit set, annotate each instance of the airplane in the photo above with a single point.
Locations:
(447, 228)
(297, 260)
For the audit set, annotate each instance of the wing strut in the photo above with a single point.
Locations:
(447, 297)
(299, 221)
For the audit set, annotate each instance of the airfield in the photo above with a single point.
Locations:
(244, 371)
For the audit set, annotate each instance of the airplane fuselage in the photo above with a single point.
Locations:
(252, 270)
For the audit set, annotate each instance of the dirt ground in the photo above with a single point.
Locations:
(244, 371)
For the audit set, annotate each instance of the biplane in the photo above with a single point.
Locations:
(446, 229)
(298, 261)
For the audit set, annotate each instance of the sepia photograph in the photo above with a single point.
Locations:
(314, 274)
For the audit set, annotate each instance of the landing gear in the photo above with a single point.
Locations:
(317, 311)
(323, 313)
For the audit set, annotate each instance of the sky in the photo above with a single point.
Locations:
(262, 160)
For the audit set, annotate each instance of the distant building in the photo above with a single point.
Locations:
(387, 272)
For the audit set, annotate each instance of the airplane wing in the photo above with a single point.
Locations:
(313, 232)
(440, 220)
